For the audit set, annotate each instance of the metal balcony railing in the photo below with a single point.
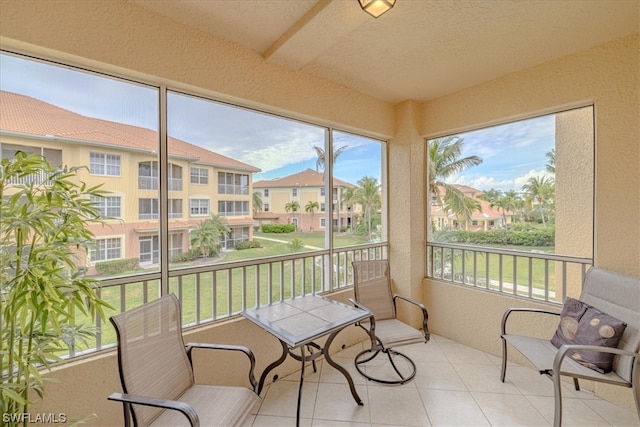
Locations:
(533, 275)
(218, 291)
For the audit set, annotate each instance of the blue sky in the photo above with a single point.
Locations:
(511, 153)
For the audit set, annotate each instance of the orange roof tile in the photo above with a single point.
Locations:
(307, 177)
(27, 115)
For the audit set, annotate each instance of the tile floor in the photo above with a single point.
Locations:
(455, 386)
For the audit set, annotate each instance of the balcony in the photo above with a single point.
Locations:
(457, 381)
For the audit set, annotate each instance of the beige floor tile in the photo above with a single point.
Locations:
(459, 353)
(452, 408)
(440, 376)
(509, 410)
(484, 378)
(329, 374)
(429, 352)
(281, 399)
(574, 412)
(335, 402)
(272, 421)
(333, 423)
(381, 368)
(397, 406)
(615, 415)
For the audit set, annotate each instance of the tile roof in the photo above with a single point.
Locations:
(27, 115)
(305, 178)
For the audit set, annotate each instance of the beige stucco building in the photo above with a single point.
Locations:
(151, 47)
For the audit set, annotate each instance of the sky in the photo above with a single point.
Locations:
(278, 146)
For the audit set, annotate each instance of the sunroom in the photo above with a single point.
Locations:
(326, 74)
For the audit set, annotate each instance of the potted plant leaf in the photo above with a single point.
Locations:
(44, 235)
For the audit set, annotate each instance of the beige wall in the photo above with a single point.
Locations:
(119, 37)
(609, 77)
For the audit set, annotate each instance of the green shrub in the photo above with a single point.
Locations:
(187, 256)
(247, 244)
(520, 237)
(278, 228)
(117, 266)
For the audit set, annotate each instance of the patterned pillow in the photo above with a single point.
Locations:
(598, 328)
(583, 324)
(572, 312)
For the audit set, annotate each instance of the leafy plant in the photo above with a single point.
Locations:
(44, 213)
(296, 245)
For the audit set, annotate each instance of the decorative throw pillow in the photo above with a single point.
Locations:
(582, 324)
(598, 328)
(572, 312)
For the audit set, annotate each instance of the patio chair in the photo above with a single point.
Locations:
(157, 374)
(372, 289)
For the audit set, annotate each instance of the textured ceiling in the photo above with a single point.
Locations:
(419, 50)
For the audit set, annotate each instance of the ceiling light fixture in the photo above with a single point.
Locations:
(376, 8)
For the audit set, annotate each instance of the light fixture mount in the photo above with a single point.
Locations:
(376, 8)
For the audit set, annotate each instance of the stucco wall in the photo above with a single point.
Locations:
(609, 77)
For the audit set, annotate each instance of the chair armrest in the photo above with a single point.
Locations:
(425, 314)
(173, 405)
(372, 319)
(565, 348)
(508, 312)
(229, 347)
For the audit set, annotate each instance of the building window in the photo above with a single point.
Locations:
(106, 249)
(175, 177)
(110, 206)
(233, 208)
(322, 207)
(175, 244)
(237, 234)
(323, 222)
(104, 164)
(266, 192)
(149, 250)
(199, 176)
(265, 207)
(233, 183)
(175, 208)
(148, 175)
(148, 208)
(294, 192)
(199, 207)
(322, 192)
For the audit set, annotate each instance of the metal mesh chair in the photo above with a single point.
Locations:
(372, 289)
(157, 374)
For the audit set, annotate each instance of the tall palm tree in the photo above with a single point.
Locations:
(444, 162)
(257, 202)
(320, 161)
(540, 190)
(311, 208)
(293, 207)
(348, 200)
(551, 163)
(368, 195)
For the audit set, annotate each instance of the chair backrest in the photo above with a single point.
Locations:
(618, 296)
(151, 355)
(372, 287)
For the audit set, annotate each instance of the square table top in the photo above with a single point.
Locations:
(302, 320)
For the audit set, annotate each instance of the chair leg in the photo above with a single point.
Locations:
(503, 372)
(402, 380)
(557, 396)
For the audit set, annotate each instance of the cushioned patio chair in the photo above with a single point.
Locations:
(372, 289)
(611, 295)
(157, 375)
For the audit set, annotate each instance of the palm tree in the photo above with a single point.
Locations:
(348, 200)
(320, 161)
(292, 206)
(207, 237)
(540, 190)
(257, 202)
(444, 162)
(551, 164)
(368, 195)
(311, 207)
